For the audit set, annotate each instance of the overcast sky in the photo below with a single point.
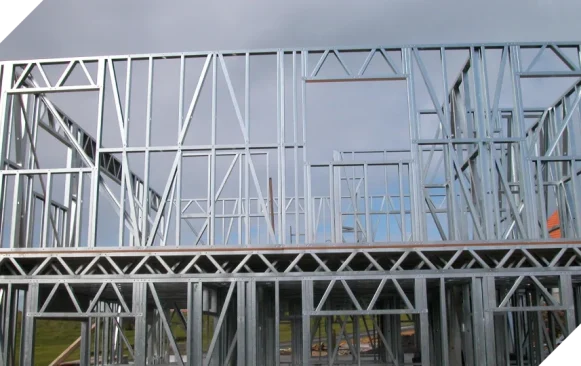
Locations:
(63, 28)
(68, 28)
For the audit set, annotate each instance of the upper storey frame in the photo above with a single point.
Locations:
(225, 166)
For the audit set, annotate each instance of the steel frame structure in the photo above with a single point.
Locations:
(447, 236)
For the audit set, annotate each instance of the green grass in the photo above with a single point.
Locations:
(51, 339)
(54, 336)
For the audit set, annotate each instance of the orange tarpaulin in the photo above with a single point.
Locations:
(553, 225)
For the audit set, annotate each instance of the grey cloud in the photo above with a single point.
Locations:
(59, 28)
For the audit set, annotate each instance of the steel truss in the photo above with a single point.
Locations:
(259, 255)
